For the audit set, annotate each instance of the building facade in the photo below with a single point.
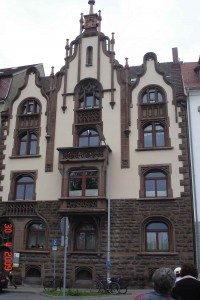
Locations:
(106, 146)
(191, 78)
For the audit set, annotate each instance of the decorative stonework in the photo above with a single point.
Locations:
(82, 203)
(20, 209)
(88, 116)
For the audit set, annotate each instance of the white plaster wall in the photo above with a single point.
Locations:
(128, 180)
(194, 123)
(45, 180)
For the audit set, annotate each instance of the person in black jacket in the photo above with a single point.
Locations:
(188, 287)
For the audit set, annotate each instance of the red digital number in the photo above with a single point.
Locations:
(8, 260)
(8, 228)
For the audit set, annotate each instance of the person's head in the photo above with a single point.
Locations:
(189, 269)
(164, 280)
(177, 271)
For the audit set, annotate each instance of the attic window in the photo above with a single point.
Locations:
(89, 56)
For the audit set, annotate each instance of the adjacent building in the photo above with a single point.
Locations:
(105, 146)
(191, 78)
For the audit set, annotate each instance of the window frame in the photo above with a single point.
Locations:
(154, 112)
(83, 179)
(28, 143)
(154, 182)
(26, 104)
(37, 236)
(152, 90)
(146, 169)
(89, 136)
(87, 234)
(158, 233)
(154, 134)
(17, 175)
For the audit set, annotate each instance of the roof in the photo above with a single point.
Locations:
(14, 70)
(170, 70)
(190, 77)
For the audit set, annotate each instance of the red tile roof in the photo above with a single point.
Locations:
(190, 77)
(4, 86)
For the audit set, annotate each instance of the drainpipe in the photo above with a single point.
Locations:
(108, 262)
(195, 205)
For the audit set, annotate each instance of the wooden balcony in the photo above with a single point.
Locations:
(83, 205)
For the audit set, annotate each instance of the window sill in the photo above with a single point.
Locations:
(157, 253)
(25, 156)
(86, 253)
(35, 251)
(154, 149)
(155, 198)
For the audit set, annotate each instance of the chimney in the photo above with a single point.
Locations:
(175, 55)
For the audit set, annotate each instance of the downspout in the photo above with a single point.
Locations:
(197, 232)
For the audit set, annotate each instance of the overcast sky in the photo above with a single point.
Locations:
(35, 31)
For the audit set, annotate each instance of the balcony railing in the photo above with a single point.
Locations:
(83, 205)
(82, 153)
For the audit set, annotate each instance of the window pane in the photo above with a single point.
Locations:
(157, 226)
(161, 187)
(89, 100)
(41, 239)
(91, 241)
(144, 99)
(25, 179)
(32, 240)
(83, 141)
(155, 174)
(160, 141)
(151, 241)
(22, 150)
(94, 141)
(80, 241)
(160, 98)
(75, 187)
(152, 96)
(33, 147)
(148, 142)
(20, 192)
(150, 188)
(29, 192)
(97, 102)
(163, 240)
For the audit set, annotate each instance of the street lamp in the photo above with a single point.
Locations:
(102, 138)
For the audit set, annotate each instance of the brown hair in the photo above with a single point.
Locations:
(189, 269)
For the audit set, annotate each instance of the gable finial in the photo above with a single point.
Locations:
(91, 2)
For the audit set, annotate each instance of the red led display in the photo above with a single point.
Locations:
(7, 255)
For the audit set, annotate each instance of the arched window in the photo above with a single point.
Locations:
(155, 184)
(152, 95)
(28, 143)
(83, 183)
(36, 235)
(154, 135)
(85, 237)
(30, 106)
(89, 138)
(157, 236)
(24, 187)
(89, 56)
(89, 95)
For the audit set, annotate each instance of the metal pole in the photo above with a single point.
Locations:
(108, 264)
(65, 267)
(66, 227)
(54, 269)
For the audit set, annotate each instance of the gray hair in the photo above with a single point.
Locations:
(164, 280)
